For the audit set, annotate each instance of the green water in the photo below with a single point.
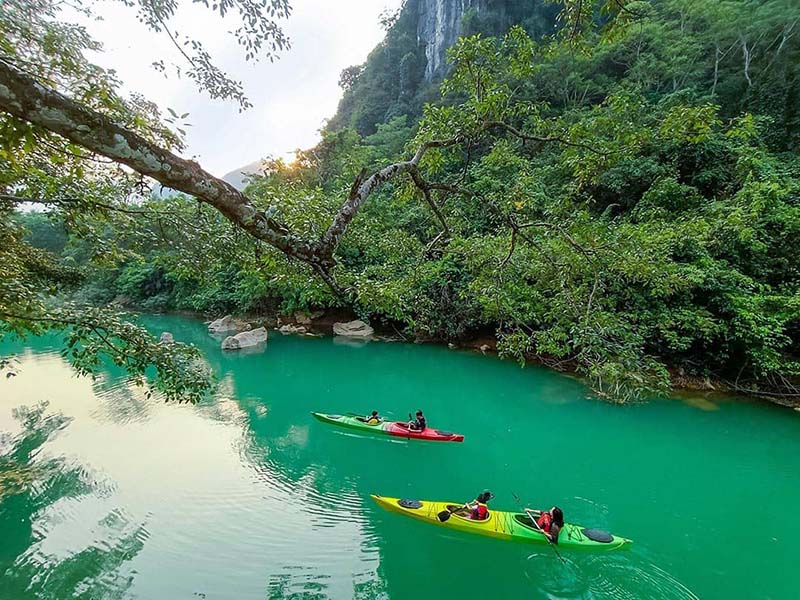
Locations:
(106, 494)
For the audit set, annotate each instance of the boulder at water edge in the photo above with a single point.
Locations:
(246, 339)
(290, 329)
(166, 338)
(223, 325)
(355, 328)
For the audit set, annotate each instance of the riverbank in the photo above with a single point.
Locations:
(701, 388)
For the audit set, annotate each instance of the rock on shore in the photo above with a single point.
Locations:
(223, 325)
(355, 328)
(246, 339)
(292, 329)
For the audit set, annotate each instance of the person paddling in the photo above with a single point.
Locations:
(550, 522)
(418, 424)
(479, 511)
(373, 419)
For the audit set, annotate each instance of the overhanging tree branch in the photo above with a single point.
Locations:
(23, 97)
(363, 187)
(26, 99)
(526, 137)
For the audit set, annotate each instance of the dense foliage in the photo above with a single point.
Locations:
(619, 199)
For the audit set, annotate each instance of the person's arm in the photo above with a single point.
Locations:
(553, 535)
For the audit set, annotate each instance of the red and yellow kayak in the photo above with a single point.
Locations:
(393, 428)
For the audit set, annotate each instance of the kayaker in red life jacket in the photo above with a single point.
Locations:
(550, 522)
(479, 511)
(419, 423)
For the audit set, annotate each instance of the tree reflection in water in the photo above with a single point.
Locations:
(34, 491)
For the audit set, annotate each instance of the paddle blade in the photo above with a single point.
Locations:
(444, 515)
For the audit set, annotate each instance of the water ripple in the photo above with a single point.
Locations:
(620, 576)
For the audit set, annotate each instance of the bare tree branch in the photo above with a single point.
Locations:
(416, 176)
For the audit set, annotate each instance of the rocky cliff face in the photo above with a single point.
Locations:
(439, 26)
(401, 74)
(441, 22)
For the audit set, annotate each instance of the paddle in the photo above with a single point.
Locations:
(445, 514)
(535, 524)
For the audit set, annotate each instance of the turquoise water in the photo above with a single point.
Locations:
(107, 494)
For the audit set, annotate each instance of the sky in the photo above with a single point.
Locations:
(291, 97)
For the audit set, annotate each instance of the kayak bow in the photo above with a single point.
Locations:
(391, 428)
(509, 526)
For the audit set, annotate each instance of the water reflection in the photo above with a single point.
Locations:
(136, 497)
(118, 402)
(352, 342)
(37, 495)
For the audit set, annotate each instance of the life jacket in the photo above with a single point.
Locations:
(373, 420)
(545, 521)
(480, 512)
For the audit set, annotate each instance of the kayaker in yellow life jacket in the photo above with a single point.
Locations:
(373, 419)
(418, 424)
(479, 509)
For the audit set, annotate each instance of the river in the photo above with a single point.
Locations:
(105, 493)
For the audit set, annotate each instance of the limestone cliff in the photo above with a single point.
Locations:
(439, 24)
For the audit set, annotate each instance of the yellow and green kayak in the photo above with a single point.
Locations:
(512, 526)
